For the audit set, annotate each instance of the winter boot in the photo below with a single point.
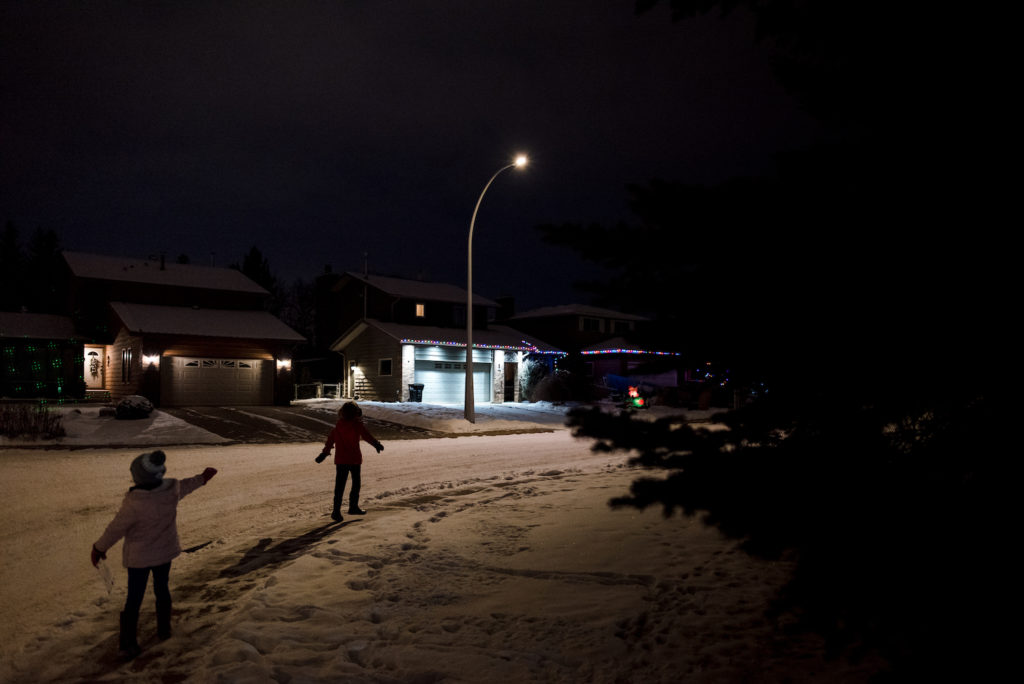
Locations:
(127, 643)
(336, 515)
(353, 506)
(163, 620)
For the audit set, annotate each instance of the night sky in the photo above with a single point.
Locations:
(320, 131)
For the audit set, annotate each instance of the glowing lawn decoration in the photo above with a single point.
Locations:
(635, 399)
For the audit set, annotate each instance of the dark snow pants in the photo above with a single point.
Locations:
(137, 579)
(340, 477)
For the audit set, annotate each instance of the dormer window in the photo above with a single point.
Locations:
(421, 310)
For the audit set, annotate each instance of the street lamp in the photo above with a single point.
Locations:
(470, 413)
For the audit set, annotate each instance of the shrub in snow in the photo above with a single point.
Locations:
(134, 406)
(530, 376)
(554, 388)
(33, 421)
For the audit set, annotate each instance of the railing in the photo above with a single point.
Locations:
(318, 390)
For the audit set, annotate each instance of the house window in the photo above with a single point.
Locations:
(126, 364)
(421, 310)
(622, 326)
(384, 367)
(590, 324)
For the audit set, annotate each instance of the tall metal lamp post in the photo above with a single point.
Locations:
(470, 412)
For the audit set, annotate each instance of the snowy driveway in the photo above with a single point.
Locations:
(281, 424)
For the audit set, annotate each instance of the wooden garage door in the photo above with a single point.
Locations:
(197, 381)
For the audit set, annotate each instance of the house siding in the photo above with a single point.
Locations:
(125, 380)
(366, 382)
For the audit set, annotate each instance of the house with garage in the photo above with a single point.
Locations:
(603, 344)
(406, 339)
(178, 334)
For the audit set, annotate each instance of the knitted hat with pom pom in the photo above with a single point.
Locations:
(149, 468)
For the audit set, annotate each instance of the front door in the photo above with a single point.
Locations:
(94, 368)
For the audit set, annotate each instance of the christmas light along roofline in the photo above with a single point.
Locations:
(629, 351)
(528, 348)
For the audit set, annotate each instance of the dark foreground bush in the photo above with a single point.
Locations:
(36, 421)
(892, 509)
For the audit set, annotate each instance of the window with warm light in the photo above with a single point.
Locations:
(126, 364)
(421, 310)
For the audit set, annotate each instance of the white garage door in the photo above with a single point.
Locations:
(444, 382)
(192, 381)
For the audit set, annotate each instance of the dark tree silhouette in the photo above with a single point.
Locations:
(12, 267)
(33, 277)
(257, 268)
(877, 459)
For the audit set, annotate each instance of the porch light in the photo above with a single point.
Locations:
(150, 360)
(284, 364)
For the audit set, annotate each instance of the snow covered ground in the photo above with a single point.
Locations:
(482, 558)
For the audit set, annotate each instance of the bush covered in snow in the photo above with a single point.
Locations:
(134, 406)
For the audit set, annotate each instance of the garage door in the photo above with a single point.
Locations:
(444, 382)
(194, 381)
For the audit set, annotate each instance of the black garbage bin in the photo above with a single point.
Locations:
(416, 391)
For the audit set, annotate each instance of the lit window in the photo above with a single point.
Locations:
(421, 310)
(126, 364)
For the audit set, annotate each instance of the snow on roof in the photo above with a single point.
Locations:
(151, 271)
(36, 326)
(495, 336)
(578, 310)
(620, 345)
(182, 320)
(420, 289)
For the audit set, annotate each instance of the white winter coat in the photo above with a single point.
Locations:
(148, 522)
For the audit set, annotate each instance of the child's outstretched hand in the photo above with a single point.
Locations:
(379, 447)
(321, 457)
(209, 473)
(97, 556)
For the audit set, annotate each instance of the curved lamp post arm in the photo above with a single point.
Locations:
(470, 409)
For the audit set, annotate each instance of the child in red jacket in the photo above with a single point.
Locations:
(147, 521)
(348, 459)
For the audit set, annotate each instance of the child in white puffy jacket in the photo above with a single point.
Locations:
(148, 523)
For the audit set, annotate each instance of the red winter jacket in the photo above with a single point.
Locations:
(346, 434)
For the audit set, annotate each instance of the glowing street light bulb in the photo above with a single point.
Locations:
(521, 161)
